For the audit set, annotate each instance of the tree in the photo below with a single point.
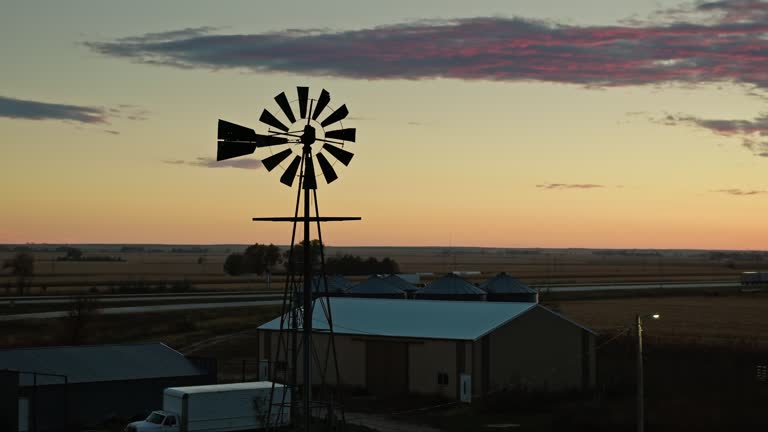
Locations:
(298, 255)
(260, 258)
(82, 312)
(73, 254)
(23, 267)
(257, 259)
(233, 264)
(355, 265)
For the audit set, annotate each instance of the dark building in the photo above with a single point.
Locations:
(402, 284)
(450, 287)
(504, 287)
(377, 287)
(453, 349)
(337, 285)
(67, 387)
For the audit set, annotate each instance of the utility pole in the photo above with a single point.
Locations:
(640, 379)
(640, 400)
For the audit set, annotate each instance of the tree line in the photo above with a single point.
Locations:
(262, 258)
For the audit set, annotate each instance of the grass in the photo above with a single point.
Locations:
(177, 329)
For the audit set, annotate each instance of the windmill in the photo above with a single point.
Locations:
(294, 145)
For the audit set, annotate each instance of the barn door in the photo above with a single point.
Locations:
(386, 368)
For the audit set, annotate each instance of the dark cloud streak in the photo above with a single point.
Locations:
(729, 46)
(206, 162)
(31, 110)
(752, 133)
(569, 186)
(741, 192)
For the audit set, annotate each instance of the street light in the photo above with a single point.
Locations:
(640, 398)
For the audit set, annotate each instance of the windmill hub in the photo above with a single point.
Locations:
(235, 140)
(308, 137)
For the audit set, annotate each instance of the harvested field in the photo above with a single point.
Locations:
(204, 271)
(739, 318)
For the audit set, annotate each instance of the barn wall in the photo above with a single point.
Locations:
(477, 368)
(426, 361)
(350, 351)
(539, 351)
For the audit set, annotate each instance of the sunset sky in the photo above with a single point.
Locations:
(525, 123)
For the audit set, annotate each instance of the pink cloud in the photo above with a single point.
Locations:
(728, 46)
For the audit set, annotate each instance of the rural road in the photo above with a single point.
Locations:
(634, 286)
(143, 309)
(132, 298)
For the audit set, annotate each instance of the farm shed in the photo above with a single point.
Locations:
(58, 388)
(454, 349)
(450, 287)
(376, 286)
(504, 287)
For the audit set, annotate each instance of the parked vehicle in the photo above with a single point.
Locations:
(218, 408)
(754, 278)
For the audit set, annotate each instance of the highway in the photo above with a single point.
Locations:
(245, 299)
(117, 298)
(143, 309)
(635, 286)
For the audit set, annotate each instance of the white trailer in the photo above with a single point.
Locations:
(218, 408)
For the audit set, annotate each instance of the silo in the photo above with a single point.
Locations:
(376, 287)
(450, 287)
(402, 284)
(337, 286)
(506, 288)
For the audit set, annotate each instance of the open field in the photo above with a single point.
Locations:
(203, 270)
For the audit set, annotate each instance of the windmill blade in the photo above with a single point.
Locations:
(342, 155)
(270, 140)
(322, 102)
(268, 118)
(232, 149)
(282, 100)
(328, 172)
(271, 162)
(290, 173)
(342, 134)
(339, 114)
(310, 181)
(303, 97)
(234, 132)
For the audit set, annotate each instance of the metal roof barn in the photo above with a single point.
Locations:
(450, 287)
(431, 319)
(452, 349)
(70, 387)
(97, 363)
